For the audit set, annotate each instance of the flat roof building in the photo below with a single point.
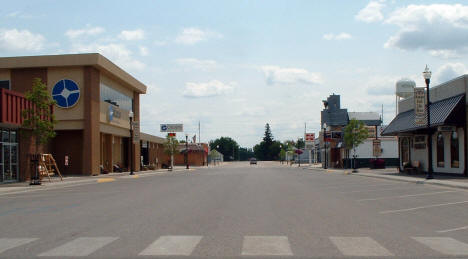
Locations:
(93, 97)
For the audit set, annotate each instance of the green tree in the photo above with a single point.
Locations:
(227, 146)
(354, 135)
(268, 149)
(282, 154)
(171, 147)
(300, 143)
(38, 121)
(245, 153)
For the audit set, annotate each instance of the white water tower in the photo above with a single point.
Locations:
(404, 88)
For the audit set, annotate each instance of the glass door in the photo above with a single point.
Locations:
(8, 157)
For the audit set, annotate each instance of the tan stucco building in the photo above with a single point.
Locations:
(94, 98)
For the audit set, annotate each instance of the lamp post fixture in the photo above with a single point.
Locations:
(325, 143)
(427, 77)
(130, 116)
(186, 152)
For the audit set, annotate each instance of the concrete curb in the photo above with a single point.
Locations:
(418, 181)
(445, 183)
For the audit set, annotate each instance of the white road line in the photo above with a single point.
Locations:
(404, 196)
(376, 190)
(452, 229)
(172, 245)
(444, 245)
(266, 246)
(359, 246)
(9, 243)
(355, 185)
(423, 207)
(82, 246)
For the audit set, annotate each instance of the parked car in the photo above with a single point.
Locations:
(253, 161)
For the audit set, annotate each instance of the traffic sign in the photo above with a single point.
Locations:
(172, 128)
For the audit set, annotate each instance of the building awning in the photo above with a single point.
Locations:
(450, 111)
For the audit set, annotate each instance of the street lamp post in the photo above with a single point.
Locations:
(186, 152)
(130, 116)
(325, 143)
(427, 77)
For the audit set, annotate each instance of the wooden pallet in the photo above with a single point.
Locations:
(48, 166)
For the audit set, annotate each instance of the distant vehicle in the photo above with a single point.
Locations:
(253, 161)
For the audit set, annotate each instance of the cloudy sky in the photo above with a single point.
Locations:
(236, 65)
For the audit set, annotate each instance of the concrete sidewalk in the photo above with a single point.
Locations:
(453, 181)
(73, 180)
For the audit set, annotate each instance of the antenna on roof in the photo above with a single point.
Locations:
(382, 114)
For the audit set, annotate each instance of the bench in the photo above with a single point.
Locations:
(413, 167)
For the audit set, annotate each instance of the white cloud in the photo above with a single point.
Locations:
(137, 34)
(88, 31)
(192, 35)
(211, 88)
(341, 36)
(445, 53)
(277, 75)
(117, 53)
(143, 51)
(197, 63)
(20, 40)
(371, 13)
(449, 71)
(441, 29)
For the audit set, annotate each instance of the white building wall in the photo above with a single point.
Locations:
(389, 148)
(421, 154)
(447, 155)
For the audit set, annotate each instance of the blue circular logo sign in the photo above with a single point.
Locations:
(66, 93)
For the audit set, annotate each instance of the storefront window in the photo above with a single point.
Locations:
(454, 150)
(440, 150)
(405, 152)
(115, 97)
(5, 136)
(8, 155)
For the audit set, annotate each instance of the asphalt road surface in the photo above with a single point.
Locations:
(237, 210)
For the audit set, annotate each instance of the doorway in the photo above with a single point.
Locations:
(9, 156)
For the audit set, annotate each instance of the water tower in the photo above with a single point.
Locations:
(404, 88)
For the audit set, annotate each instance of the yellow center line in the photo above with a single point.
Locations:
(105, 180)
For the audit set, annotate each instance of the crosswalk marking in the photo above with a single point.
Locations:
(444, 245)
(172, 245)
(82, 246)
(266, 245)
(359, 246)
(9, 243)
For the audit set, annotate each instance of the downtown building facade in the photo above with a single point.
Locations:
(94, 99)
(447, 130)
(330, 149)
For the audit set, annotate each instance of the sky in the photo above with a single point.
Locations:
(234, 66)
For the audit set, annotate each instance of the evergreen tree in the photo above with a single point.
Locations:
(268, 138)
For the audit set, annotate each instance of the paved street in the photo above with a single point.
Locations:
(237, 210)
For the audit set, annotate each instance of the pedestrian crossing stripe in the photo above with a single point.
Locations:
(359, 246)
(444, 245)
(179, 245)
(9, 243)
(82, 246)
(172, 245)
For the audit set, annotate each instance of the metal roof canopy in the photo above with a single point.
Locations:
(450, 111)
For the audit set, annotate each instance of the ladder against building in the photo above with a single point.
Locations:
(48, 166)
